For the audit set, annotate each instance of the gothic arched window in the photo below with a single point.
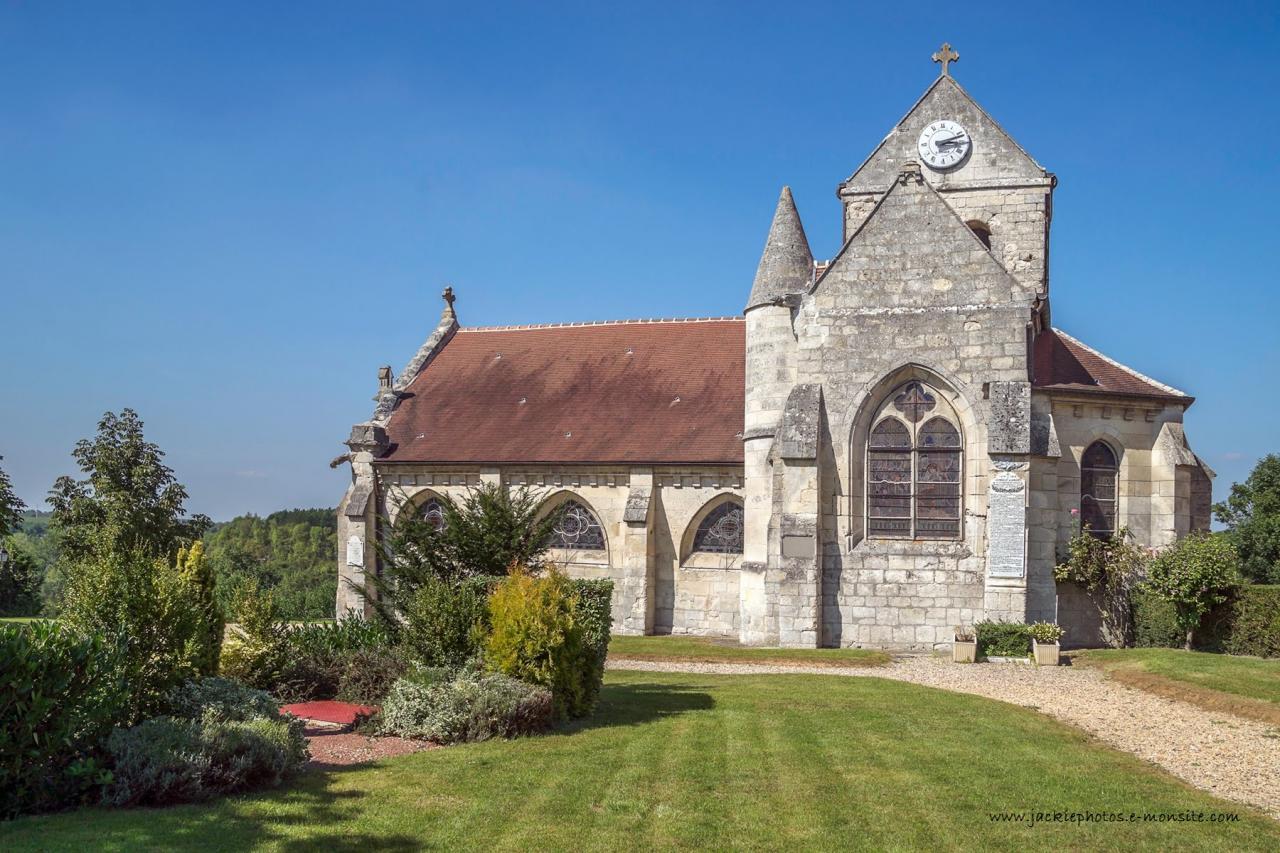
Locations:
(432, 512)
(578, 529)
(1098, 472)
(914, 469)
(721, 531)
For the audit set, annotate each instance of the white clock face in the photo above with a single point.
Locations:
(944, 145)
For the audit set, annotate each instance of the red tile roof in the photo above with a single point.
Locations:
(661, 391)
(648, 391)
(1063, 363)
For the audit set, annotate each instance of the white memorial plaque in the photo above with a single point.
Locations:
(355, 552)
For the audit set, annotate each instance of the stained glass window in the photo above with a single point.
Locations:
(1098, 470)
(914, 402)
(433, 513)
(578, 529)
(914, 472)
(889, 479)
(721, 531)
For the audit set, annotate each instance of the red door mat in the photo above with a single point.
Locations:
(336, 713)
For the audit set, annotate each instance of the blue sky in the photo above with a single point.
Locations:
(226, 216)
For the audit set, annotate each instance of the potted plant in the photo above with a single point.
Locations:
(965, 647)
(1044, 642)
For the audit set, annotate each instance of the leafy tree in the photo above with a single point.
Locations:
(19, 582)
(1194, 575)
(291, 553)
(19, 585)
(128, 502)
(1252, 515)
(11, 507)
(490, 530)
(143, 604)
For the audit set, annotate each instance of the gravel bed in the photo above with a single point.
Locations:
(329, 750)
(1234, 758)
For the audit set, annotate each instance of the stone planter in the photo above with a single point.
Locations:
(1046, 654)
(964, 651)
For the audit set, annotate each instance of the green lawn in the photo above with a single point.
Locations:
(783, 762)
(700, 649)
(1197, 675)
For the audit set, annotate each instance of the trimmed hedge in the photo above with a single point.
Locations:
(1255, 622)
(1155, 624)
(1247, 624)
(1003, 639)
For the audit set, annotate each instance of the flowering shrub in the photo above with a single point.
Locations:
(1045, 632)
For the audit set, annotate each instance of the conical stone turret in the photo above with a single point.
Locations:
(787, 264)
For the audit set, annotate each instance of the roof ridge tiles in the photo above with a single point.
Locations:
(590, 323)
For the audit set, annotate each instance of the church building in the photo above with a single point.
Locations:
(882, 445)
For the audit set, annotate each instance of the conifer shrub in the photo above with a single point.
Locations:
(538, 635)
(256, 653)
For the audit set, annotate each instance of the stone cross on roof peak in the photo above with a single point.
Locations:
(946, 56)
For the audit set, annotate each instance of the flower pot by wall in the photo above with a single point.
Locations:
(1046, 654)
(963, 651)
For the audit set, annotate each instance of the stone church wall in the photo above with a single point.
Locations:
(677, 592)
(916, 297)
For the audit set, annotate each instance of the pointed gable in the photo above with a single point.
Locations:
(913, 251)
(996, 158)
(787, 263)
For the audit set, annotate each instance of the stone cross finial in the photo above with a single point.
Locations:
(448, 297)
(946, 56)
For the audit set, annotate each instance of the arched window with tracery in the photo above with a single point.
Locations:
(578, 529)
(914, 465)
(432, 512)
(721, 531)
(1099, 470)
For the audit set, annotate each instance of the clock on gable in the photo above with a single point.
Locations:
(944, 145)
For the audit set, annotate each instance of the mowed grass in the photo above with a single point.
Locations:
(1242, 685)
(703, 650)
(685, 761)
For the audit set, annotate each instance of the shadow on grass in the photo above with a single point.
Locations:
(285, 818)
(637, 704)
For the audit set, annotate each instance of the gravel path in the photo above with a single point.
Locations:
(1231, 757)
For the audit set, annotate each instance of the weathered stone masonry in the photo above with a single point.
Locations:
(831, 536)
